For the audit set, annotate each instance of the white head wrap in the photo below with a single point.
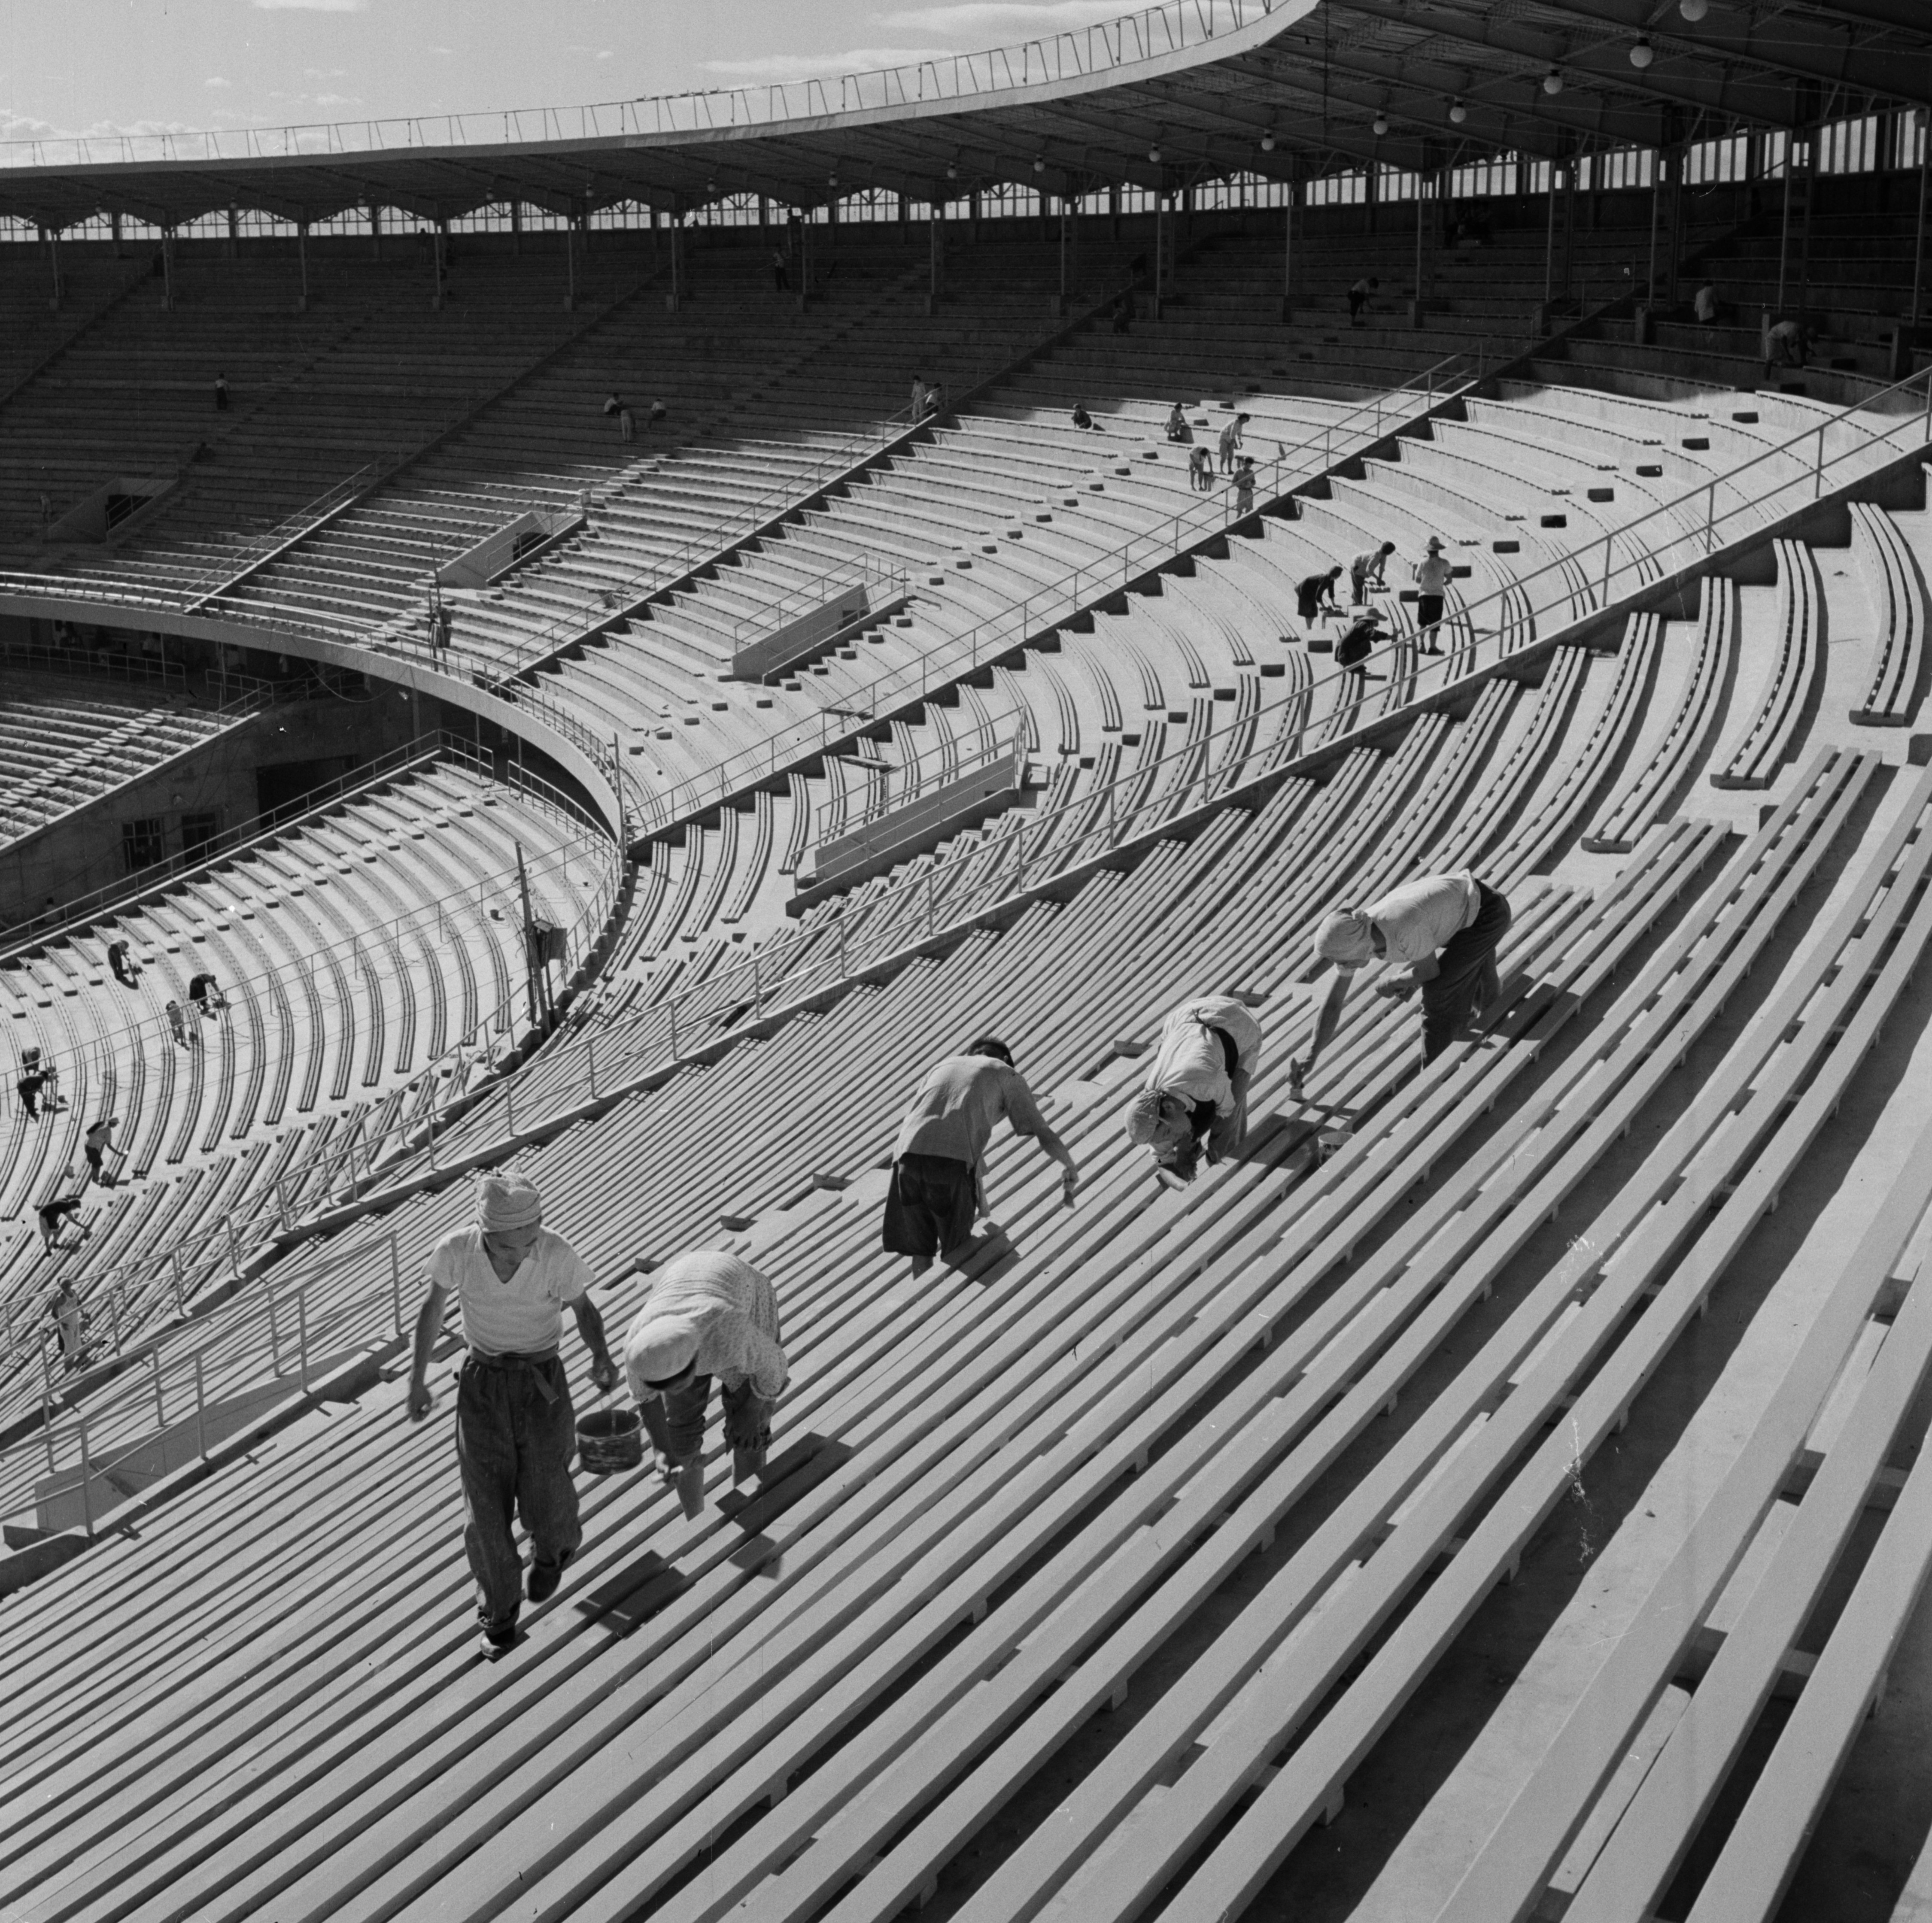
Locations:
(508, 1202)
(1344, 938)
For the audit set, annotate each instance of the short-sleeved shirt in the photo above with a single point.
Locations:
(1421, 916)
(1312, 587)
(1191, 1060)
(523, 1316)
(1360, 287)
(1432, 573)
(953, 1114)
(728, 1306)
(1370, 563)
(1231, 436)
(101, 1136)
(1706, 303)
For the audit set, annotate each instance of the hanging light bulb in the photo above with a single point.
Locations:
(1642, 54)
(1552, 81)
(1268, 143)
(831, 179)
(1458, 112)
(1381, 124)
(1038, 165)
(1153, 154)
(951, 172)
(1694, 10)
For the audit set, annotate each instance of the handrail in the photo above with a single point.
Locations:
(1047, 607)
(86, 663)
(1131, 39)
(861, 571)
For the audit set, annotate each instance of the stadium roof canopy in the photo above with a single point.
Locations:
(1177, 94)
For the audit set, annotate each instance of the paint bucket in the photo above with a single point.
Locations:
(609, 1440)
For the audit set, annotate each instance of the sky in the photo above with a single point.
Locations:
(70, 67)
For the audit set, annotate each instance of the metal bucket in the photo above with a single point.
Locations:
(609, 1440)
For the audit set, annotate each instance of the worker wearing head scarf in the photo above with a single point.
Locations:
(1196, 1094)
(515, 1429)
(706, 1314)
(1441, 932)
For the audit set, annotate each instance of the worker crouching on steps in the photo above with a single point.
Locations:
(707, 1314)
(515, 1430)
(1195, 1095)
(1444, 929)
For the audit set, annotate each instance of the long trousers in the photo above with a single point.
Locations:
(515, 1433)
(675, 1423)
(1467, 978)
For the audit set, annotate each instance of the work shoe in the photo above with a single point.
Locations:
(544, 1577)
(499, 1636)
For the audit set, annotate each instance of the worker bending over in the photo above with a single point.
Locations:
(1195, 1095)
(706, 1314)
(1441, 931)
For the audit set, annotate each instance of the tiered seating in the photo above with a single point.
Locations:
(369, 954)
(66, 743)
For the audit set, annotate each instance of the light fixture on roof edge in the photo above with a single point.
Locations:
(1153, 154)
(1381, 124)
(1268, 143)
(1038, 165)
(1458, 112)
(831, 180)
(951, 172)
(1694, 10)
(1552, 81)
(1642, 54)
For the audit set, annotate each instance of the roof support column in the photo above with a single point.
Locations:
(1059, 301)
(1416, 306)
(234, 233)
(1287, 248)
(440, 243)
(1549, 250)
(1114, 211)
(935, 254)
(516, 226)
(570, 263)
(302, 256)
(1784, 221)
(1905, 336)
(167, 270)
(53, 256)
(1163, 240)
(375, 232)
(114, 228)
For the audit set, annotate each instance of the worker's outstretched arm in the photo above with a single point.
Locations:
(1057, 1150)
(590, 1326)
(1325, 1023)
(429, 1326)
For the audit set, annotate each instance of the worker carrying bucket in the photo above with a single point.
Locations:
(706, 1314)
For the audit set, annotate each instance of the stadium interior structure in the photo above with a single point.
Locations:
(478, 591)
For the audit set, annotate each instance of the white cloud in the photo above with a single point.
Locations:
(819, 66)
(311, 6)
(1022, 16)
(605, 53)
(338, 100)
(216, 80)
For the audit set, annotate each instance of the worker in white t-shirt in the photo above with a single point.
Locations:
(515, 1429)
(1440, 931)
(1196, 1094)
(1432, 574)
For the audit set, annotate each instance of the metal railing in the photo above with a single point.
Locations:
(121, 1403)
(1152, 33)
(1075, 593)
(882, 581)
(98, 663)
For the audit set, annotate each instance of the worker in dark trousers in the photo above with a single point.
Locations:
(1439, 933)
(1196, 1094)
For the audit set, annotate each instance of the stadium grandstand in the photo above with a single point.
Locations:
(587, 649)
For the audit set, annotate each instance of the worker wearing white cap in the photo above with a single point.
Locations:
(515, 1429)
(706, 1313)
(1442, 930)
(1196, 1090)
(1433, 573)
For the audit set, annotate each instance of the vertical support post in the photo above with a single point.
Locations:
(932, 907)
(114, 228)
(1550, 247)
(114, 1315)
(593, 1067)
(86, 1483)
(1656, 197)
(160, 1407)
(234, 233)
(1159, 251)
(395, 1282)
(301, 257)
(301, 1338)
(1818, 464)
(839, 923)
(275, 1331)
(53, 256)
(1062, 307)
(935, 255)
(375, 232)
(1811, 147)
(1784, 224)
(529, 960)
(438, 240)
(1288, 251)
(175, 1263)
(570, 263)
(200, 1410)
(516, 226)
(168, 269)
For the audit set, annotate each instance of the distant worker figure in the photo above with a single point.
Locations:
(938, 1160)
(1357, 642)
(1123, 313)
(1443, 930)
(515, 1429)
(1432, 575)
(1081, 418)
(1244, 486)
(71, 1319)
(781, 272)
(1315, 594)
(1231, 442)
(1360, 294)
(442, 626)
(97, 1144)
(1704, 304)
(656, 412)
(1366, 571)
(614, 403)
(205, 992)
(221, 394)
(29, 1088)
(178, 1024)
(1195, 1095)
(1177, 429)
(627, 429)
(922, 397)
(706, 1313)
(122, 965)
(1784, 346)
(1200, 470)
(54, 1215)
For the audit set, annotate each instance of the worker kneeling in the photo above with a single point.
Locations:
(1195, 1095)
(707, 1313)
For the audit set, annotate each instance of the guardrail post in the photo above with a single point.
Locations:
(114, 1317)
(1710, 516)
(396, 1280)
(1818, 464)
(234, 1249)
(839, 923)
(160, 1407)
(672, 1004)
(593, 1067)
(302, 1337)
(274, 1334)
(86, 1483)
(931, 906)
(200, 1411)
